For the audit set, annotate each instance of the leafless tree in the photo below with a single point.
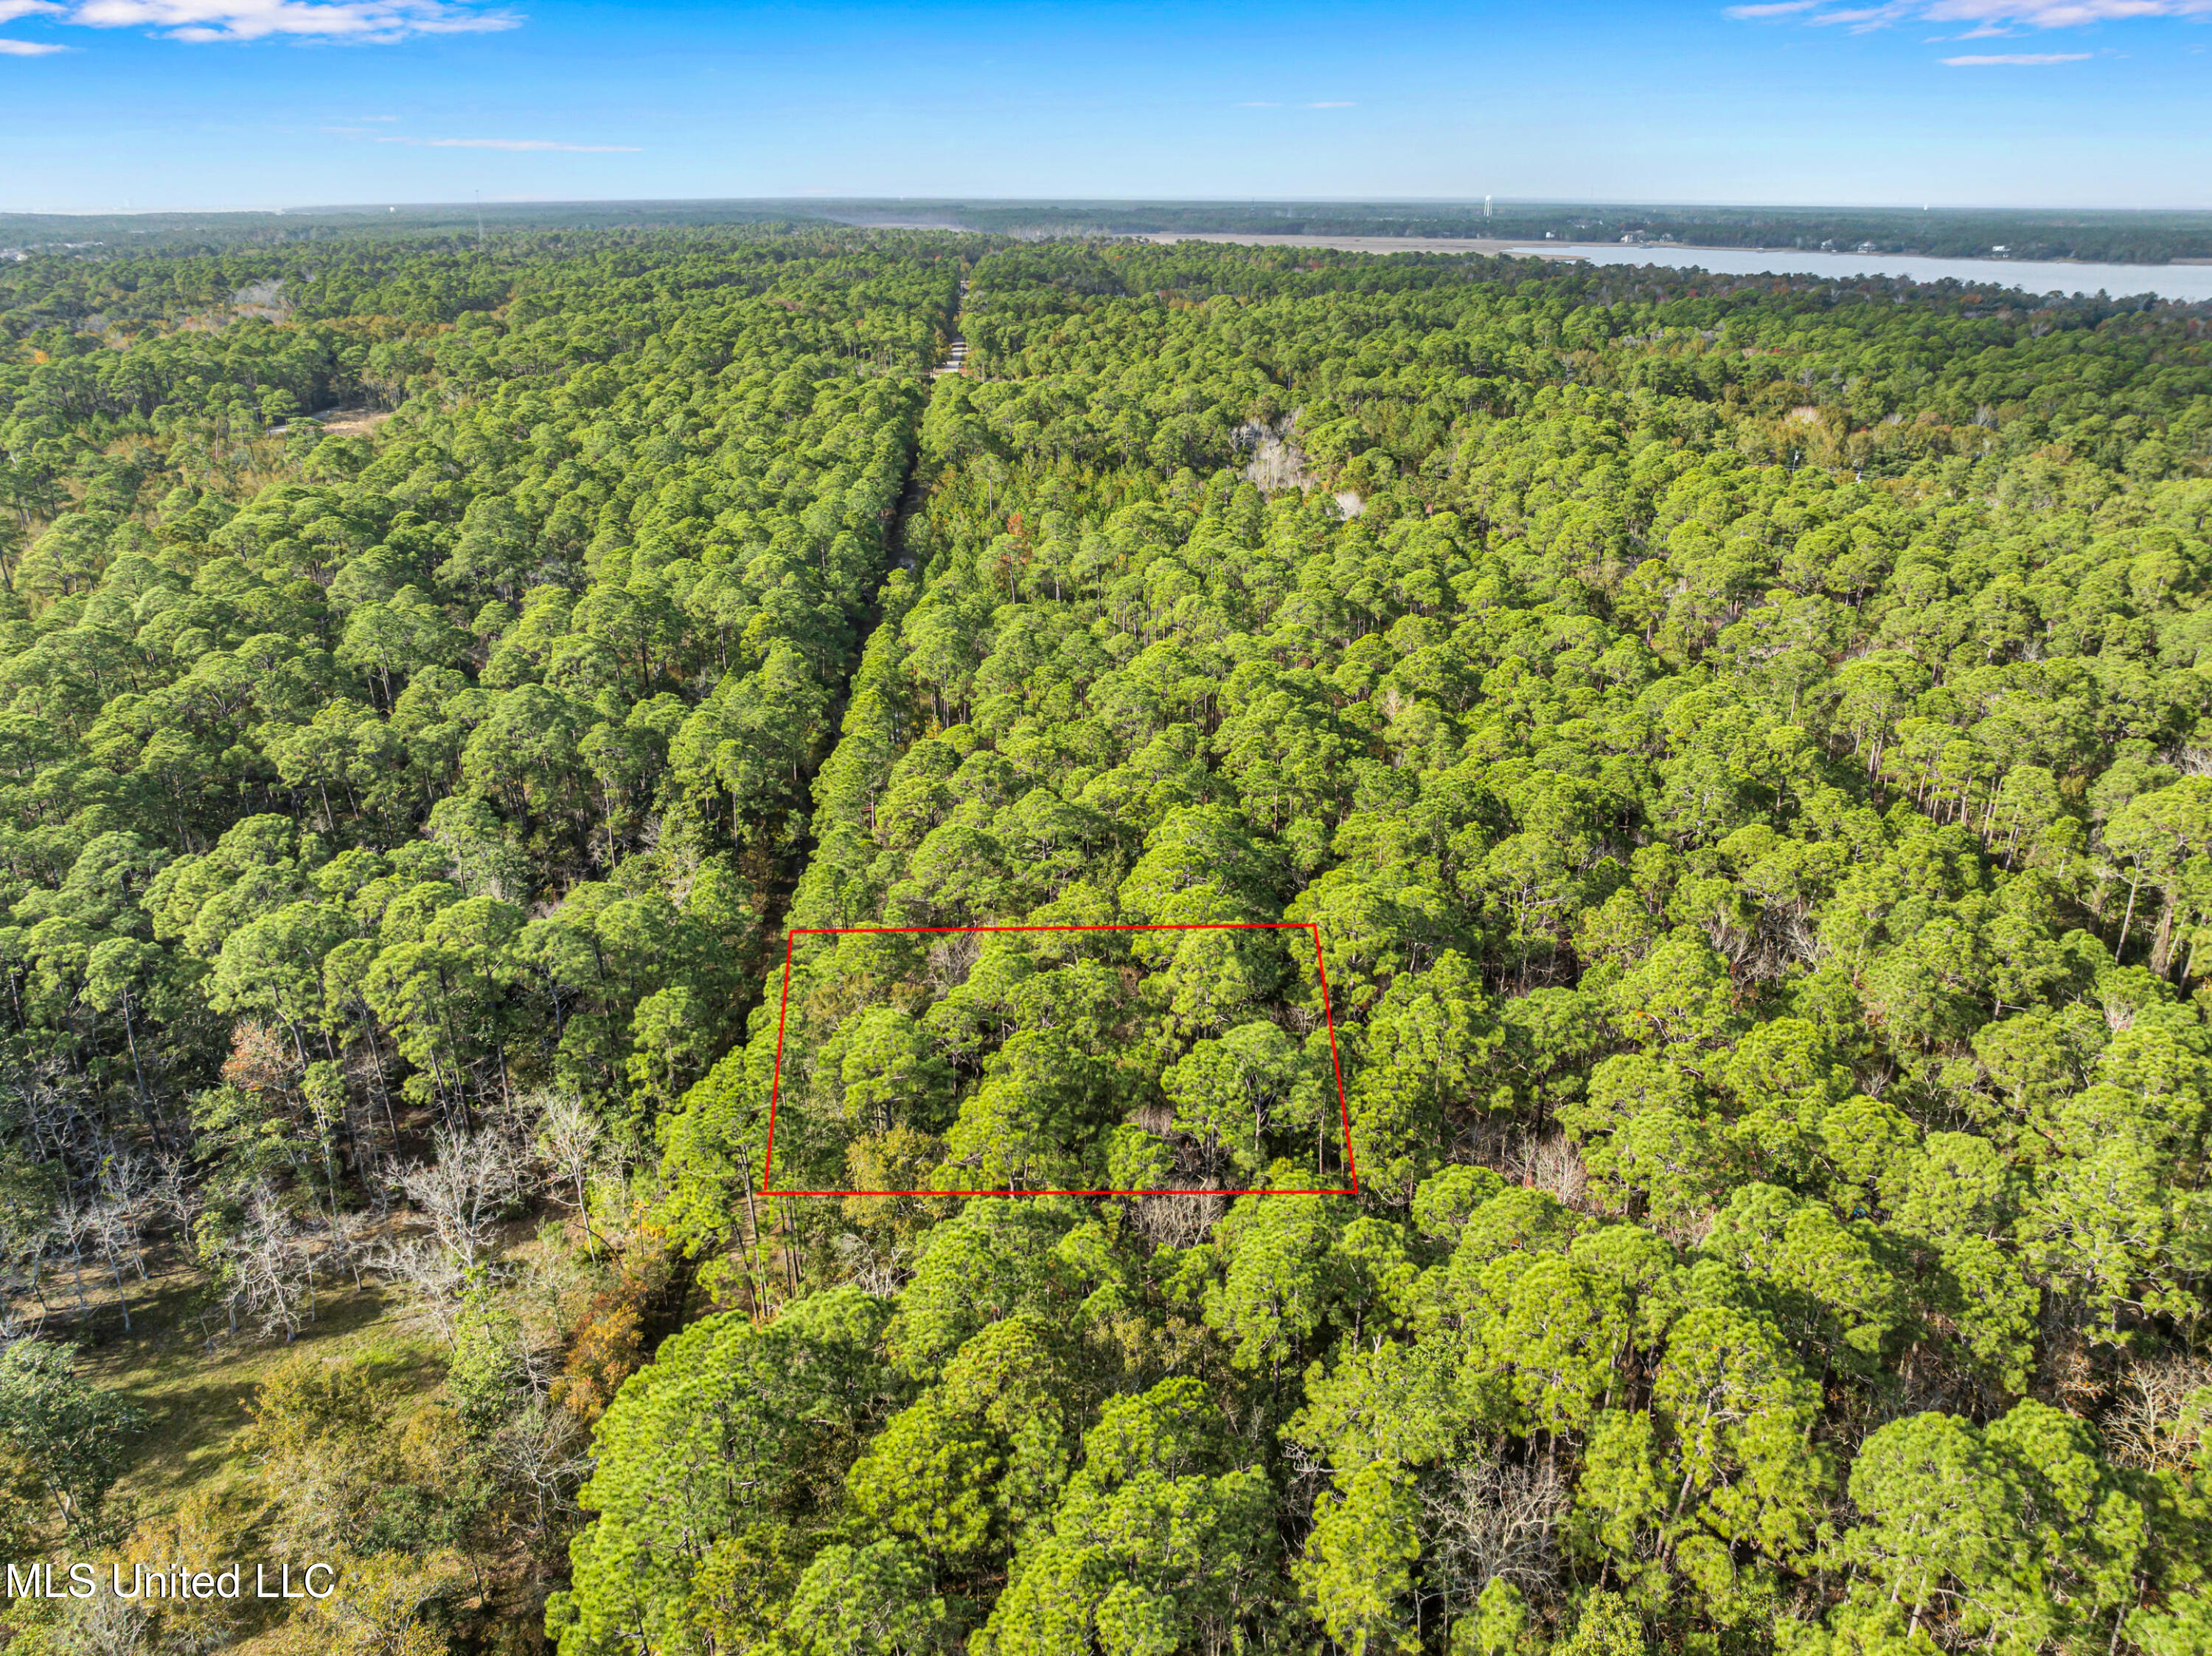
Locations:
(539, 1459)
(105, 1625)
(113, 1226)
(23, 1268)
(569, 1139)
(269, 1270)
(2159, 1411)
(431, 1277)
(351, 1231)
(461, 1194)
(1552, 1164)
(72, 1225)
(952, 958)
(50, 1101)
(126, 1178)
(171, 1192)
(540, 1352)
(880, 1273)
(1487, 1517)
(1177, 1221)
(14, 1328)
(114, 1220)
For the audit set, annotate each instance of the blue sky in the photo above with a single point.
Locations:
(260, 103)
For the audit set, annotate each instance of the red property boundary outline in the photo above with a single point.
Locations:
(783, 1007)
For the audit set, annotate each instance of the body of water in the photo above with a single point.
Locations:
(2176, 281)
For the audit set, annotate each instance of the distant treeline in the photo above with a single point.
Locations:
(130, 232)
(2132, 237)
(2124, 237)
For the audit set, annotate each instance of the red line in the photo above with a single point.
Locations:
(1343, 1109)
(775, 1081)
(1193, 925)
(1060, 1192)
(783, 1011)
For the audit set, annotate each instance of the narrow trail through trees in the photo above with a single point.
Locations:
(956, 355)
(767, 1255)
(956, 361)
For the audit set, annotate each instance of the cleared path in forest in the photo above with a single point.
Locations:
(955, 356)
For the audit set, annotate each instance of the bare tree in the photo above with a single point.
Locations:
(952, 958)
(269, 1273)
(112, 1225)
(105, 1625)
(2159, 1412)
(171, 1192)
(14, 1328)
(539, 1459)
(1177, 1221)
(126, 1181)
(72, 1225)
(461, 1194)
(349, 1232)
(1552, 1164)
(879, 1273)
(431, 1276)
(23, 1250)
(1488, 1518)
(114, 1221)
(568, 1140)
(51, 1105)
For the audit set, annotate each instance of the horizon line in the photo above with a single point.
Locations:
(819, 200)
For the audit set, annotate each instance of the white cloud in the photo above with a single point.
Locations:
(12, 10)
(1860, 19)
(532, 143)
(2062, 14)
(2018, 58)
(359, 21)
(507, 143)
(1988, 17)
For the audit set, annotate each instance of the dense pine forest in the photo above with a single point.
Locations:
(483, 718)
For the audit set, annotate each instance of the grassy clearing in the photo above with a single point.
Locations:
(188, 1481)
(195, 1381)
